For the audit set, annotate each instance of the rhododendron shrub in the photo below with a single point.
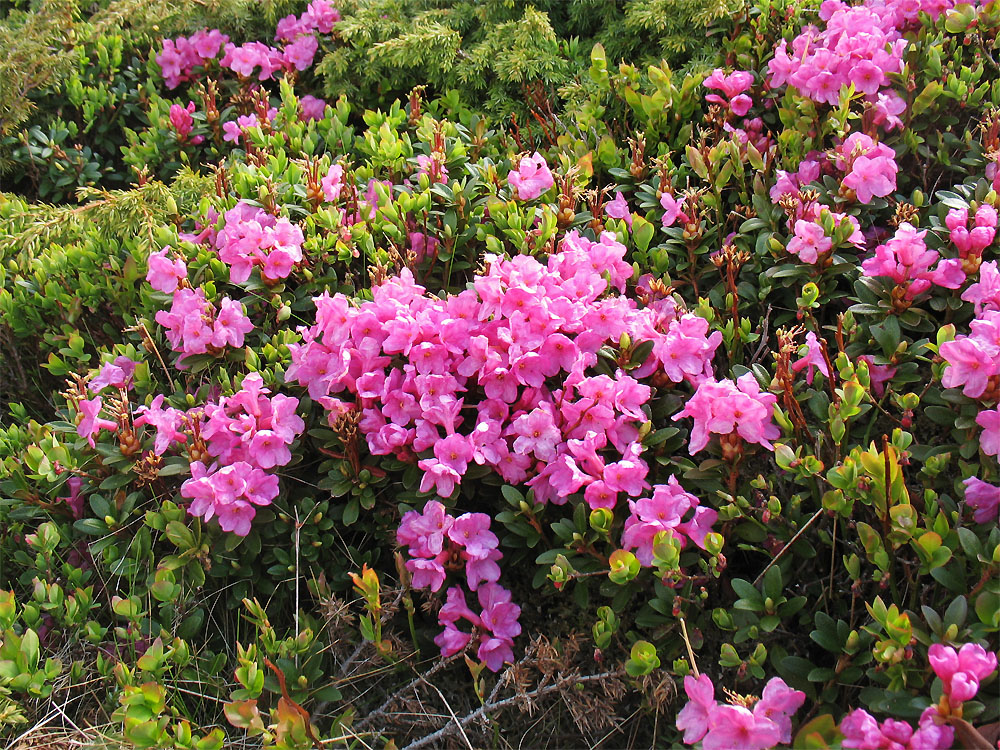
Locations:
(516, 348)
(696, 386)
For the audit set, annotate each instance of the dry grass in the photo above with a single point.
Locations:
(44, 738)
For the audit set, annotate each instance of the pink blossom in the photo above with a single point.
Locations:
(618, 209)
(809, 241)
(117, 374)
(984, 499)
(167, 422)
(736, 728)
(693, 719)
(813, 359)
(723, 407)
(75, 499)
(92, 423)
(989, 438)
(673, 212)
(311, 108)
(531, 179)
(182, 121)
(321, 15)
(165, 274)
(300, 53)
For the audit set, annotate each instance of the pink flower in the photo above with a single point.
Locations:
(332, 183)
(531, 179)
(472, 531)
(813, 359)
(92, 423)
(961, 672)
(425, 532)
(879, 375)
(166, 421)
(672, 209)
(989, 438)
(231, 324)
(984, 499)
(809, 241)
(693, 719)
(451, 640)
(723, 407)
(321, 15)
(75, 499)
(117, 374)
(618, 209)
(735, 728)
(311, 108)
(181, 120)
(971, 363)
(777, 703)
(300, 53)
(872, 177)
(495, 652)
(165, 274)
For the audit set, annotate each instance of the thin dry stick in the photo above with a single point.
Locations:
(453, 717)
(416, 681)
(788, 546)
(561, 683)
(687, 642)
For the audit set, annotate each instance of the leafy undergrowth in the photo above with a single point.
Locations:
(671, 419)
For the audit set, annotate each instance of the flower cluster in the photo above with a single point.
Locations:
(861, 45)
(300, 49)
(869, 168)
(733, 410)
(252, 237)
(183, 123)
(663, 513)
(182, 55)
(961, 671)
(908, 262)
(438, 542)
(863, 732)
(974, 360)
(971, 243)
(436, 539)
(196, 326)
(247, 434)
(497, 625)
(810, 241)
(232, 130)
(514, 349)
(319, 16)
(722, 726)
(732, 87)
(531, 178)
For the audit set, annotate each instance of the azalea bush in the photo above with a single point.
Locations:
(687, 413)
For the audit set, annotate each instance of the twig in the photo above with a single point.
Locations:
(788, 546)
(416, 681)
(563, 682)
(687, 642)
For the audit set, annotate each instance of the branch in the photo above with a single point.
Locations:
(561, 683)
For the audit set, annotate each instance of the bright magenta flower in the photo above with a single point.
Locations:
(532, 177)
